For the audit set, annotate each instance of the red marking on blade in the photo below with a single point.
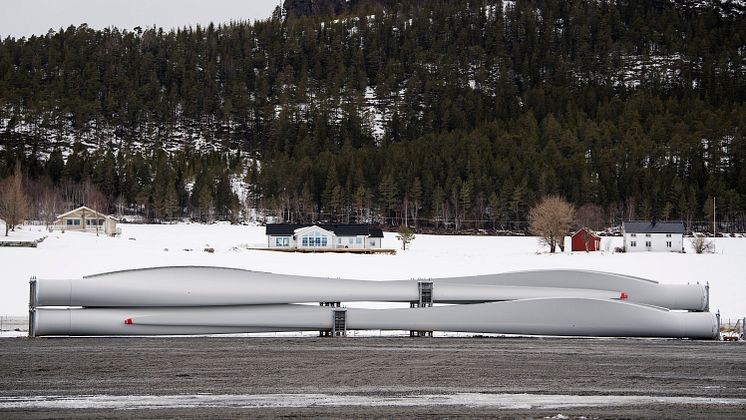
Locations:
(623, 296)
(128, 321)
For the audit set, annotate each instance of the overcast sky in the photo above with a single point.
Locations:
(35, 17)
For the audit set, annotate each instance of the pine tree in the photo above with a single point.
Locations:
(55, 166)
(387, 196)
(225, 200)
(416, 193)
(493, 204)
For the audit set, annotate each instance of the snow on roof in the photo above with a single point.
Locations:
(88, 209)
(653, 227)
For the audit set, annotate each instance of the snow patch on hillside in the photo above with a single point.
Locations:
(726, 8)
(376, 113)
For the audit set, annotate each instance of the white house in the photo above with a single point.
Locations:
(86, 219)
(653, 236)
(320, 237)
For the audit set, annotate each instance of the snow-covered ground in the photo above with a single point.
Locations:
(73, 254)
(22, 234)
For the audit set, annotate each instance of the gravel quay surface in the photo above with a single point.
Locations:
(231, 377)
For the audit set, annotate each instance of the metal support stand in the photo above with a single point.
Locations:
(707, 296)
(328, 333)
(339, 325)
(32, 307)
(717, 315)
(425, 300)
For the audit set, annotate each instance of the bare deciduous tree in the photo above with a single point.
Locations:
(49, 204)
(590, 215)
(13, 200)
(96, 201)
(550, 220)
(702, 245)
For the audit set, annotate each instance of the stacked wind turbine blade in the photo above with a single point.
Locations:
(688, 297)
(214, 286)
(212, 300)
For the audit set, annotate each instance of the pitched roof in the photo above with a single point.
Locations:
(653, 227)
(376, 232)
(305, 229)
(286, 229)
(277, 229)
(86, 208)
(593, 234)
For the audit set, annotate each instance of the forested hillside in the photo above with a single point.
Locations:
(449, 114)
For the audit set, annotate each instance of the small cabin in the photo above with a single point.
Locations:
(585, 236)
(85, 219)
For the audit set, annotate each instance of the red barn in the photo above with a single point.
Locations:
(579, 238)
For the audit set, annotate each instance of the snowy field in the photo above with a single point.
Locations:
(72, 255)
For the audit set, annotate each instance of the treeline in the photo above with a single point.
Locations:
(159, 186)
(447, 114)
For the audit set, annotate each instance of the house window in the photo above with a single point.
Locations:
(76, 222)
(372, 242)
(349, 241)
(633, 244)
(668, 244)
(633, 235)
(282, 242)
(668, 235)
(359, 241)
(314, 239)
(69, 222)
(648, 244)
(647, 235)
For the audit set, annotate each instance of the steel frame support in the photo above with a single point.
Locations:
(424, 300)
(32, 307)
(339, 323)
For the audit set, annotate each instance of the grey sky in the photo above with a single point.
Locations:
(35, 17)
